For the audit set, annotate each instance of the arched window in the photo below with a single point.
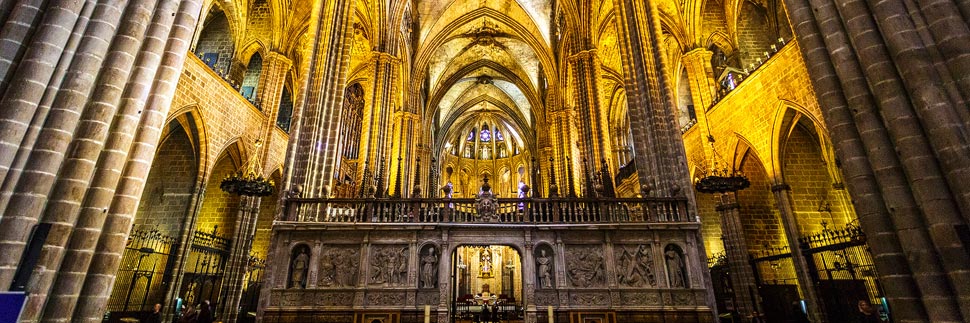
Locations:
(251, 79)
(498, 135)
(286, 110)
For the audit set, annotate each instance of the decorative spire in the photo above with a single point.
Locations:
(416, 192)
(553, 188)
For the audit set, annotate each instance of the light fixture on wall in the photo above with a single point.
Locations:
(248, 183)
(721, 179)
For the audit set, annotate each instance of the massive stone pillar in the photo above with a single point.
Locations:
(703, 89)
(593, 133)
(238, 263)
(312, 154)
(876, 94)
(806, 285)
(736, 250)
(379, 122)
(120, 214)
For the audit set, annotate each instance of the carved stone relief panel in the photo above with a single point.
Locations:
(388, 265)
(339, 265)
(635, 266)
(585, 265)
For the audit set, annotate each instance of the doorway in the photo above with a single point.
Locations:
(487, 284)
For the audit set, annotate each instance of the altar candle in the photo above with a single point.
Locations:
(427, 314)
(551, 318)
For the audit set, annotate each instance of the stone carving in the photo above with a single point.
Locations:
(335, 299)
(584, 266)
(299, 265)
(429, 268)
(547, 298)
(635, 269)
(389, 265)
(386, 299)
(589, 299)
(683, 299)
(338, 266)
(544, 269)
(486, 203)
(427, 298)
(676, 272)
(639, 299)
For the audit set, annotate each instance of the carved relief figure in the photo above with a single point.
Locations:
(389, 265)
(675, 266)
(328, 270)
(345, 262)
(585, 266)
(543, 270)
(635, 268)
(429, 269)
(298, 267)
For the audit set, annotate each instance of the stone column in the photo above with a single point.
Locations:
(111, 244)
(736, 249)
(806, 285)
(593, 132)
(238, 263)
(33, 74)
(703, 89)
(310, 166)
(378, 122)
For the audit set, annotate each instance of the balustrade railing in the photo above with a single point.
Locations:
(469, 210)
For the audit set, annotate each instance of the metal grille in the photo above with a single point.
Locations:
(205, 266)
(138, 285)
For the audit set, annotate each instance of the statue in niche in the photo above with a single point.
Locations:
(545, 274)
(429, 269)
(635, 269)
(675, 267)
(485, 258)
(298, 268)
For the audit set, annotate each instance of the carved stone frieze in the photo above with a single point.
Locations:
(334, 299)
(385, 298)
(639, 299)
(585, 266)
(581, 236)
(682, 298)
(547, 298)
(339, 265)
(344, 236)
(427, 298)
(589, 299)
(388, 265)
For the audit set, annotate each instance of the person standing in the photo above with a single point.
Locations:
(205, 313)
(156, 315)
(867, 313)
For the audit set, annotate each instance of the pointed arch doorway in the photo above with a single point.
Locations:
(486, 284)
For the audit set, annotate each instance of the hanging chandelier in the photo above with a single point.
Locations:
(721, 179)
(248, 183)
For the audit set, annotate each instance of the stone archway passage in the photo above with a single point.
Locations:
(487, 282)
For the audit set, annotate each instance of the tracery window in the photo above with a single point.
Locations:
(486, 136)
(471, 135)
(498, 135)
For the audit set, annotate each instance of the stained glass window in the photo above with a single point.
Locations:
(498, 135)
(471, 135)
(486, 135)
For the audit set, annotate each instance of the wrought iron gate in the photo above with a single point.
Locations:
(138, 285)
(253, 285)
(204, 267)
(840, 265)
